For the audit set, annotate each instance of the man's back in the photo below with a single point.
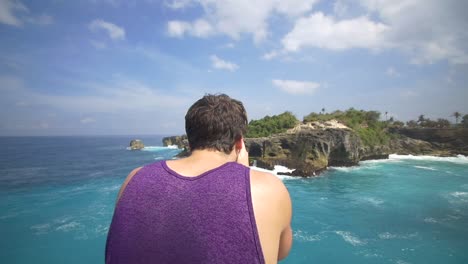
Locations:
(164, 217)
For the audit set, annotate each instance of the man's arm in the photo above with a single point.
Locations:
(286, 237)
(273, 212)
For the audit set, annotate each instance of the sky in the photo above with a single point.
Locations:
(127, 67)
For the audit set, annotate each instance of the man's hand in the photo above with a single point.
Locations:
(243, 155)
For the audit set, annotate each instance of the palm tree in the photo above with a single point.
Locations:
(323, 110)
(456, 115)
(386, 115)
(421, 119)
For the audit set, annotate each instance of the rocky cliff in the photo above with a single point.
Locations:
(444, 141)
(311, 148)
(179, 141)
(136, 144)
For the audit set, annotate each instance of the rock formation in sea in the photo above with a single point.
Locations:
(311, 148)
(136, 144)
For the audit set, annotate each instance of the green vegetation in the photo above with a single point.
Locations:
(428, 123)
(365, 123)
(464, 121)
(456, 115)
(271, 125)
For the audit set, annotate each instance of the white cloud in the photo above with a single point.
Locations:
(218, 63)
(229, 45)
(428, 30)
(115, 32)
(42, 125)
(87, 120)
(296, 87)
(8, 8)
(15, 13)
(42, 20)
(321, 31)
(392, 72)
(118, 95)
(177, 28)
(233, 18)
(270, 55)
(98, 44)
(199, 28)
(408, 93)
(178, 4)
(340, 8)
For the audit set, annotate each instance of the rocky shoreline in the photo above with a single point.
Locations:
(311, 149)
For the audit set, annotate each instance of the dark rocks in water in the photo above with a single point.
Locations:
(309, 150)
(443, 141)
(374, 157)
(179, 141)
(136, 144)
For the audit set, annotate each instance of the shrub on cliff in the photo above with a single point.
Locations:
(464, 121)
(365, 123)
(271, 125)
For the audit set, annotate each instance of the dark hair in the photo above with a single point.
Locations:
(215, 122)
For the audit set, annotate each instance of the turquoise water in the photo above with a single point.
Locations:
(57, 197)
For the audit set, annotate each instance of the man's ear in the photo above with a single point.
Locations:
(238, 144)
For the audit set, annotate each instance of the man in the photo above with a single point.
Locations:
(206, 208)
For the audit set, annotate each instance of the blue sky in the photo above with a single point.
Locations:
(134, 67)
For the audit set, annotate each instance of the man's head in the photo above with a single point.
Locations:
(215, 122)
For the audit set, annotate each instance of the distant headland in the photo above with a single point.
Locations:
(343, 138)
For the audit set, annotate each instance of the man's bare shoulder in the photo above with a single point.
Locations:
(267, 184)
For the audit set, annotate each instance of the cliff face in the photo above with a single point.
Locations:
(311, 148)
(443, 141)
(136, 144)
(308, 150)
(179, 141)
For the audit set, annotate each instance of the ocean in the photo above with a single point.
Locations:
(57, 196)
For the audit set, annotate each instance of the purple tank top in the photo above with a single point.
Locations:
(163, 217)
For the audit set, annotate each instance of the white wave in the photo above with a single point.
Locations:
(111, 188)
(305, 237)
(350, 238)
(457, 159)
(372, 200)
(346, 169)
(425, 168)
(8, 215)
(459, 194)
(41, 229)
(458, 197)
(430, 220)
(276, 170)
(388, 235)
(62, 219)
(159, 148)
(101, 229)
(402, 261)
(368, 162)
(82, 236)
(69, 226)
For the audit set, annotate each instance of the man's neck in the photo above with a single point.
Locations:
(214, 156)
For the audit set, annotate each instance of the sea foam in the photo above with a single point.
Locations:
(276, 170)
(457, 159)
(159, 148)
(350, 238)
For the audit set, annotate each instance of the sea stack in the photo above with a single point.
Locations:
(136, 144)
